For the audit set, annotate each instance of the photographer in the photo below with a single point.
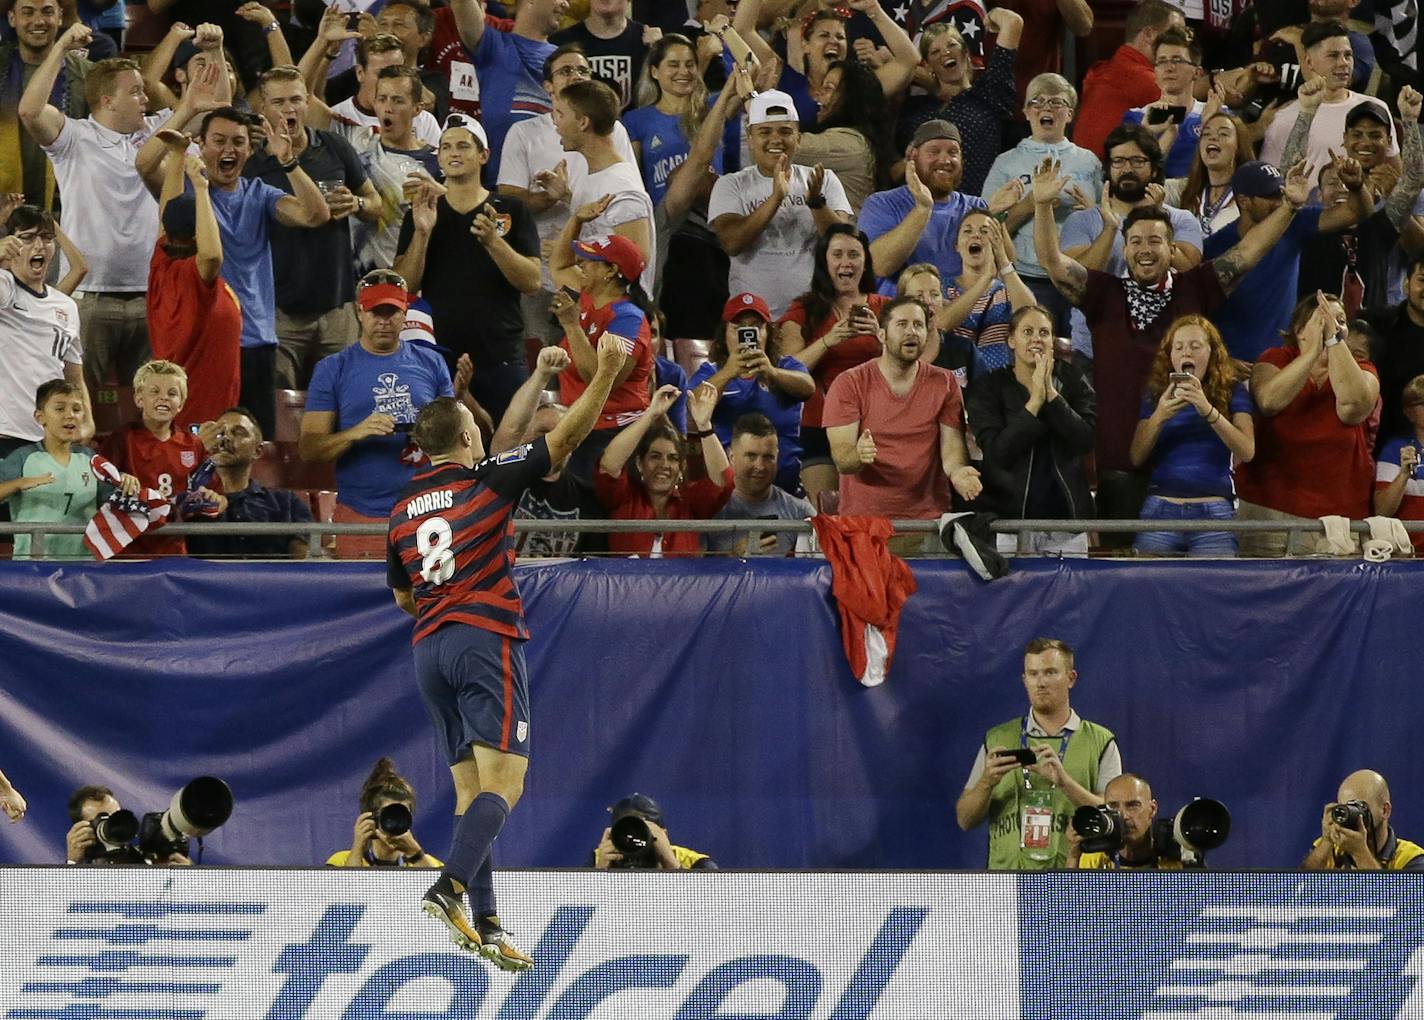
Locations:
(90, 804)
(384, 837)
(1131, 798)
(1355, 834)
(657, 854)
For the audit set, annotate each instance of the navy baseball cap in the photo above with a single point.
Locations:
(1257, 179)
(638, 804)
(180, 218)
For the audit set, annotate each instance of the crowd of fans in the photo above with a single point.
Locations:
(863, 257)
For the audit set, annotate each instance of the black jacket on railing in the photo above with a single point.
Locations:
(1064, 430)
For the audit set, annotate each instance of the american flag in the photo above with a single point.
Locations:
(965, 15)
(121, 519)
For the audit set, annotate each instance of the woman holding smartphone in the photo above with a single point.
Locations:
(751, 375)
(1195, 419)
(831, 328)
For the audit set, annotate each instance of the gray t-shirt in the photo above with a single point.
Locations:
(779, 505)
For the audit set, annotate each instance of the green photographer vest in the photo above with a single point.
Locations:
(1080, 760)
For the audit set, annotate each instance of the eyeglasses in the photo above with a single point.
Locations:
(573, 71)
(377, 277)
(1054, 103)
(1136, 162)
(1175, 62)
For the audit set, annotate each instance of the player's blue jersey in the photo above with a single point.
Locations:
(452, 541)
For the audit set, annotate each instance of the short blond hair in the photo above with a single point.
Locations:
(283, 73)
(918, 269)
(149, 369)
(1051, 84)
(103, 78)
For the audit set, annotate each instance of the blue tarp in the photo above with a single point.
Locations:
(718, 687)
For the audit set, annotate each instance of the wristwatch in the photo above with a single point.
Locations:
(1336, 339)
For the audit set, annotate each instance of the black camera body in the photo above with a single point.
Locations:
(196, 810)
(1101, 828)
(394, 819)
(634, 840)
(1353, 814)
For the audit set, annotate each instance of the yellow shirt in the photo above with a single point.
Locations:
(1105, 862)
(339, 859)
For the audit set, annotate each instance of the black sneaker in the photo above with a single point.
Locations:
(450, 912)
(497, 947)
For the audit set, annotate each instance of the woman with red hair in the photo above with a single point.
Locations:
(1196, 418)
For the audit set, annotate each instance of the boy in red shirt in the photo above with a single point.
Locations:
(161, 456)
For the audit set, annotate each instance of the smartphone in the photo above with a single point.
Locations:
(1177, 377)
(571, 294)
(748, 338)
(1022, 755)
(353, 21)
(1164, 114)
(193, 428)
(737, 46)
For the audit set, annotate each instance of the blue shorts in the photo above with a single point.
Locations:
(475, 687)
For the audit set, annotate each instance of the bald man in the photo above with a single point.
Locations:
(1369, 845)
(1130, 797)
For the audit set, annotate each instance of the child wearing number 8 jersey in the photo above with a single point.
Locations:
(158, 454)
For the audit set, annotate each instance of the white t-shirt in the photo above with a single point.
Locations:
(425, 127)
(108, 212)
(777, 265)
(1327, 130)
(39, 335)
(531, 147)
(630, 202)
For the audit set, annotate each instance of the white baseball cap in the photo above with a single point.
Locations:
(772, 107)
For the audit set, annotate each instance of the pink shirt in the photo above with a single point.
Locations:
(907, 480)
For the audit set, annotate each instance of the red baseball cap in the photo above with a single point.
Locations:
(739, 303)
(381, 295)
(615, 249)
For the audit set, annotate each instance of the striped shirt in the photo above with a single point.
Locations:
(987, 326)
(452, 541)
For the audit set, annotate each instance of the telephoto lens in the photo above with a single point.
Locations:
(631, 836)
(394, 819)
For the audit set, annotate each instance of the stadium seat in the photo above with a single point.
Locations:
(290, 405)
(113, 409)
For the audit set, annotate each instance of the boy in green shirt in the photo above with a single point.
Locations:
(53, 481)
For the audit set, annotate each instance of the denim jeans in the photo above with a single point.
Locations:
(1194, 543)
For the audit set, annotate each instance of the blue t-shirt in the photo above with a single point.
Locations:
(355, 384)
(1084, 226)
(1259, 309)
(748, 396)
(243, 216)
(663, 147)
(1178, 162)
(511, 74)
(886, 210)
(1190, 459)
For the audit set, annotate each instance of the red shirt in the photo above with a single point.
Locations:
(627, 500)
(857, 350)
(907, 480)
(1122, 355)
(1308, 462)
(1112, 87)
(157, 464)
(197, 325)
(629, 399)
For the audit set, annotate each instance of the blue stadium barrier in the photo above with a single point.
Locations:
(718, 687)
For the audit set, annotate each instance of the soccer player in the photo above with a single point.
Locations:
(450, 556)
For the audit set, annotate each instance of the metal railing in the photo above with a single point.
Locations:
(314, 533)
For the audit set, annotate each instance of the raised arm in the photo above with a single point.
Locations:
(469, 21)
(1077, 15)
(156, 64)
(1399, 206)
(894, 75)
(198, 98)
(521, 271)
(552, 361)
(41, 119)
(1002, 244)
(1310, 94)
(410, 263)
(686, 182)
(1067, 274)
(78, 264)
(891, 250)
(277, 48)
(305, 207)
(331, 33)
(210, 251)
(1098, 254)
(701, 401)
(1233, 265)
(1360, 203)
(621, 449)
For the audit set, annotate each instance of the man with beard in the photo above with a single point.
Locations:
(1132, 161)
(1327, 55)
(917, 411)
(1253, 318)
(767, 215)
(1128, 315)
(919, 222)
